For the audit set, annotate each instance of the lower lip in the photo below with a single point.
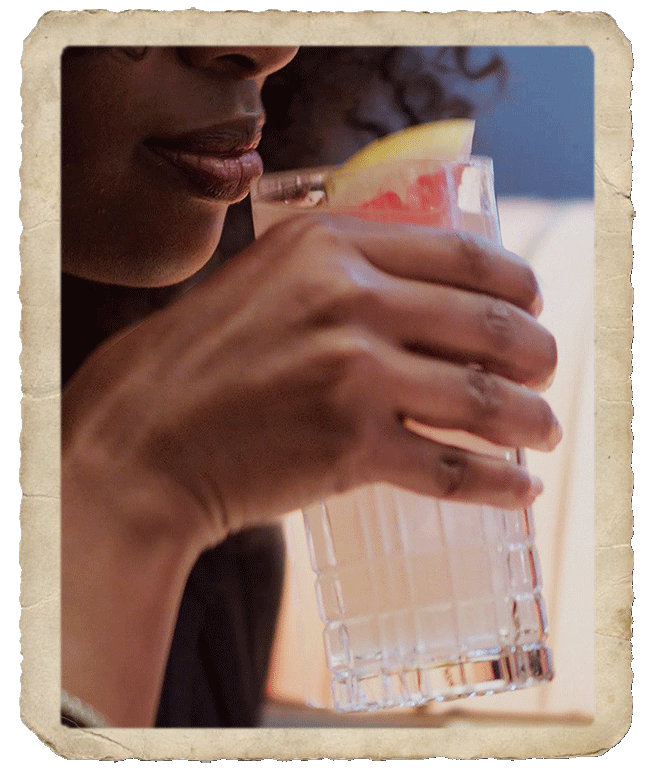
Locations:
(225, 179)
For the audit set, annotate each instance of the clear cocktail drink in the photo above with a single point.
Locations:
(421, 598)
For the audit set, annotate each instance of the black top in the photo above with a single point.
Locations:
(217, 667)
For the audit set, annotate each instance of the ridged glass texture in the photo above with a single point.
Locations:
(421, 599)
(425, 599)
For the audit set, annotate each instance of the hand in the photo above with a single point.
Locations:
(292, 373)
(289, 374)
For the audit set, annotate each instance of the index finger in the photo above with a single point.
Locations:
(457, 259)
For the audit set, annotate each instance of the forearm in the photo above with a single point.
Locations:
(121, 586)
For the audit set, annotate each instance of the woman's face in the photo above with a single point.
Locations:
(156, 143)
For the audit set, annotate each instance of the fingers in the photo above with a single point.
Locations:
(428, 290)
(420, 253)
(451, 258)
(424, 466)
(402, 313)
(379, 389)
(384, 389)
(443, 395)
(471, 328)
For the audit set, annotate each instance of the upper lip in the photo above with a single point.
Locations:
(224, 140)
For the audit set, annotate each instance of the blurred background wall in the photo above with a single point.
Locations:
(534, 107)
(540, 129)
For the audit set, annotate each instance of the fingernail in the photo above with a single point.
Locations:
(537, 305)
(535, 488)
(557, 433)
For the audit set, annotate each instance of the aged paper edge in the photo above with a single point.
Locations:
(40, 374)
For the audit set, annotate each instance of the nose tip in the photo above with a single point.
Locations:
(247, 60)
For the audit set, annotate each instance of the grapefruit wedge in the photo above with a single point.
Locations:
(373, 172)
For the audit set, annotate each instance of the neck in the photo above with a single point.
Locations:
(91, 312)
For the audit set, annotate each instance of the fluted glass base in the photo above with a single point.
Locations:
(507, 670)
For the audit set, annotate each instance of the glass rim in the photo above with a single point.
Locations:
(472, 160)
(476, 161)
(301, 190)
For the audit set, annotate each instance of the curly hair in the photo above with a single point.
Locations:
(370, 91)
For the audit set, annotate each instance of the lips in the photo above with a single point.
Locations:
(219, 163)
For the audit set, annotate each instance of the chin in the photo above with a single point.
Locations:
(159, 259)
(136, 271)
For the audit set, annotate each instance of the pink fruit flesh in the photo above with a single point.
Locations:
(426, 203)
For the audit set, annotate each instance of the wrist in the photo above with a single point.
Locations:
(135, 496)
(124, 565)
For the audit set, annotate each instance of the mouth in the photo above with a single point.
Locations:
(219, 163)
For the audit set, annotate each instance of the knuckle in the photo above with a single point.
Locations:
(475, 261)
(357, 356)
(451, 471)
(484, 395)
(352, 370)
(313, 225)
(340, 288)
(352, 297)
(322, 301)
(292, 231)
(313, 236)
(498, 324)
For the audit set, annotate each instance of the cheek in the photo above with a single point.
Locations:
(96, 113)
(122, 222)
(121, 231)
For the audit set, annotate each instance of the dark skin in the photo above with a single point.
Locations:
(257, 391)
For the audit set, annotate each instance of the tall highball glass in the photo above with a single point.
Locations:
(422, 599)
